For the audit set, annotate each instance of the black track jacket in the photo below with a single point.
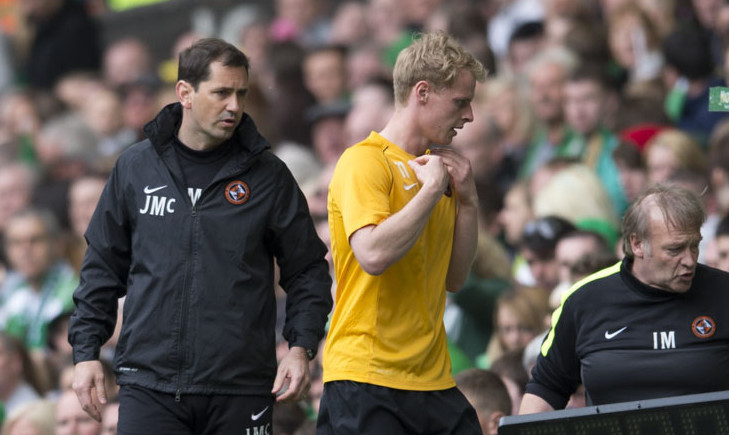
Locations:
(199, 314)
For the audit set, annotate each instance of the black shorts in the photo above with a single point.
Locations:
(349, 407)
(145, 411)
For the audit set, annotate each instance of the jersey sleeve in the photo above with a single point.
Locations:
(556, 373)
(360, 187)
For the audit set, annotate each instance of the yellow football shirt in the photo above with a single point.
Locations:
(387, 330)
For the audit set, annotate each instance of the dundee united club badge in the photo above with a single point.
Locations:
(237, 192)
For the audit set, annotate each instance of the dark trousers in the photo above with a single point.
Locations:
(145, 411)
(355, 408)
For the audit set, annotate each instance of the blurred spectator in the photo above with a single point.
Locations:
(126, 60)
(515, 214)
(110, 417)
(635, 45)
(65, 148)
(537, 245)
(587, 199)
(32, 418)
(73, 89)
(486, 392)
(17, 182)
(689, 74)
(18, 381)
(372, 104)
(364, 64)
(40, 283)
(631, 168)
(328, 137)
(71, 419)
(520, 315)
(325, 74)
(722, 244)
(349, 23)
(83, 194)
(580, 253)
(547, 73)
(509, 16)
(100, 111)
(507, 104)
(719, 166)
(480, 142)
(65, 39)
(303, 21)
(525, 42)
(386, 19)
(290, 97)
(707, 14)
(139, 103)
(587, 99)
(510, 369)
(672, 150)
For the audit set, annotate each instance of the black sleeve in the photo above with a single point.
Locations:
(556, 374)
(103, 275)
(304, 271)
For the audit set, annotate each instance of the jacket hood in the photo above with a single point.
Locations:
(163, 128)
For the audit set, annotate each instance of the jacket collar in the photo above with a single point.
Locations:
(163, 128)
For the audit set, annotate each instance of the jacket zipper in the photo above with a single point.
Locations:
(183, 315)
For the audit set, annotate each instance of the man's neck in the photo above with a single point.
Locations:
(402, 131)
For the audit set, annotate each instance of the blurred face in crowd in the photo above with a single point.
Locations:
(584, 101)
(667, 258)
(545, 270)
(71, 419)
(569, 251)
(11, 369)
(109, 419)
(547, 84)
(660, 163)
(325, 75)
(515, 214)
(15, 192)
(83, 196)
(632, 180)
(513, 334)
(30, 249)
(722, 247)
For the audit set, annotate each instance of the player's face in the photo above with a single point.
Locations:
(216, 107)
(667, 258)
(449, 109)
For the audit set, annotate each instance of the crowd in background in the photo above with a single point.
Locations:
(587, 103)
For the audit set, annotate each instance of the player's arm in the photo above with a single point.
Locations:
(378, 247)
(465, 237)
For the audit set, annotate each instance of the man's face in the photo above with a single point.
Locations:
(667, 258)
(569, 251)
(722, 246)
(216, 107)
(546, 93)
(71, 419)
(583, 106)
(29, 247)
(544, 270)
(449, 109)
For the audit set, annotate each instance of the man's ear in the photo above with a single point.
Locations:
(493, 424)
(422, 91)
(637, 245)
(184, 91)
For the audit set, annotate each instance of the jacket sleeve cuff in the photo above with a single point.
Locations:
(554, 399)
(85, 353)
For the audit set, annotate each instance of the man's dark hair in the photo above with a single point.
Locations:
(688, 50)
(541, 235)
(194, 63)
(527, 31)
(594, 73)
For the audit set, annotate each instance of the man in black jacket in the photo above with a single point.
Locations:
(187, 229)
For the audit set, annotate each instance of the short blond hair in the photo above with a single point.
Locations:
(436, 58)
